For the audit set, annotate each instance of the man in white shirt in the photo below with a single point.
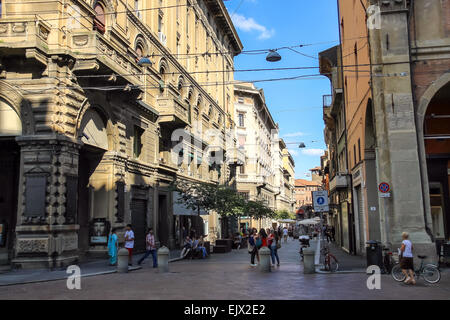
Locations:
(285, 234)
(129, 243)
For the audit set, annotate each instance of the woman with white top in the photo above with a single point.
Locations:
(406, 260)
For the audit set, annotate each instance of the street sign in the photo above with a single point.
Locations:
(320, 201)
(384, 187)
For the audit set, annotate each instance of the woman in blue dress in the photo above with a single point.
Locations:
(112, 247)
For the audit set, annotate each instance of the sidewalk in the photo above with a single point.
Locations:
(88, 268)
(347, 263)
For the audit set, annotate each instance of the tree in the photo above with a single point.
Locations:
(284, 214)
(222, 199)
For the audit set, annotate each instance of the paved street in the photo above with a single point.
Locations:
(229, 276)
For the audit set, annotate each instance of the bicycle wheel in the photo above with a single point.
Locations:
(431, 273)
(397, 273)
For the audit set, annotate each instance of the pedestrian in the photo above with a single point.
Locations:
(201, 247)
(254, 242)
(328, 234)
(280, 232)
(129, 243)
(187, 246)
(406, 259)
(112, 247)
(150, 248)
(285, 234)
(333, 233)
(263, 237)
(273, 241)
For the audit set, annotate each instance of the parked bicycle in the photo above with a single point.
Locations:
(430, 272)
(330, 261)
(388, 260)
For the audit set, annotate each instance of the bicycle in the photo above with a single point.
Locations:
(388, 261)
(429, 271)
(330, 261)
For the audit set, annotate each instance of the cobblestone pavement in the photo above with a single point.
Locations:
(229, 276)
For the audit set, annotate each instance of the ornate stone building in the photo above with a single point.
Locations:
(88, 133)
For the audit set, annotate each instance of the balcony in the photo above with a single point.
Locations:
(251, 178)
(94, 51)
(21, 33)
(171, 113)
(340, 181)
(235, 156)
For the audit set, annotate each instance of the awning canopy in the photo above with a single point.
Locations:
(309, 222)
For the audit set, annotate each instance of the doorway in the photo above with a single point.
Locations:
(9, 171)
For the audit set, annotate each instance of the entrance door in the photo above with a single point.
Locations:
(139, 223)
(9, 173)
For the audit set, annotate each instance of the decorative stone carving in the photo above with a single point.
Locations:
(19, 27)
(32, 245)
(80, 41)
(3, 28)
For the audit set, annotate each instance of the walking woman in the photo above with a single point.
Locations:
(253, 247)
(112, 247)
(273, 246)
(406, 260)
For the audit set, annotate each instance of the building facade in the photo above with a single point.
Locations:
(268, 169)
(91, 139)
(396, 123)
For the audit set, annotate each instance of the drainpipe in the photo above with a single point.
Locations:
(415, 106)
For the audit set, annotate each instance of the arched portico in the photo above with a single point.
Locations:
(433, 132)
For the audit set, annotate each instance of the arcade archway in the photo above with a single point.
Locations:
(436, 129)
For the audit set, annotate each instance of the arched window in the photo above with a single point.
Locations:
(99, 20)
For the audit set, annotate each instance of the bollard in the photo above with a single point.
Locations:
(264, 259)
(163, 259)
(309, 260)
(122, 261)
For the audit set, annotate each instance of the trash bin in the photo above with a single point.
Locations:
(374, 253)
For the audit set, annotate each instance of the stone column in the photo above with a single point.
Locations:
(397, 148)
(46, 233)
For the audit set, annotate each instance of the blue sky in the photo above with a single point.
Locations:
(295, 105)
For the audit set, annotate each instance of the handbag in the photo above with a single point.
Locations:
(278, 244)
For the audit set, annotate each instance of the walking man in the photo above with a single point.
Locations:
(150, 248)
(285, 234)
(129, 243)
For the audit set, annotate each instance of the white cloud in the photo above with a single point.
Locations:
(249, 25)
(294, 134)
(313, 152)
(293, 152)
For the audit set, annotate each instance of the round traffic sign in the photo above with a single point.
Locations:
(320, 200)
(384, 187)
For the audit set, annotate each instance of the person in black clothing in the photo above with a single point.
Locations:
(333, 232)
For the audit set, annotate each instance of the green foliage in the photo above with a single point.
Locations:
(224, 200)
(284, 214)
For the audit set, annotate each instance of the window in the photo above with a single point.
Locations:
(137, 141)
(241, 119)
(139, 51)
(160, 23)
(242, 169)
(354, 154)
(359, 149)
(99, 20)
(0, 8)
